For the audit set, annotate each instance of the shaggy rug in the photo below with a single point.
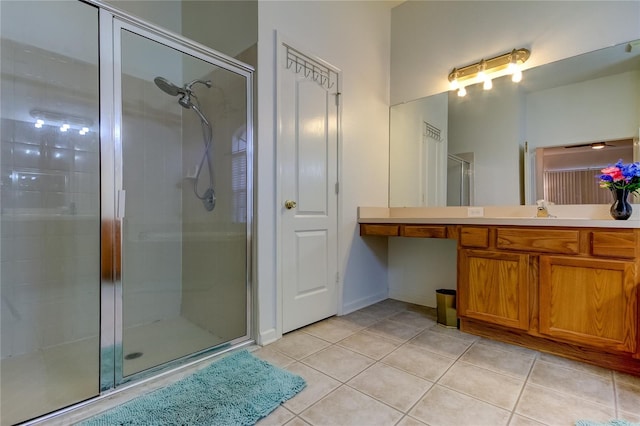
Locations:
(239, 389)
(615, 422)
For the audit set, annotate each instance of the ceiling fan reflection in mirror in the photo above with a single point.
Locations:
(593, 145)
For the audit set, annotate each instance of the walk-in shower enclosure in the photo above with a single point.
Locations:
(113, 267)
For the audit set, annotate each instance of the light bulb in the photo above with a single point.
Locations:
(482, 76)
(454, 85)
(488, 84)
(462, 91)
(39, 123)
(516, 77)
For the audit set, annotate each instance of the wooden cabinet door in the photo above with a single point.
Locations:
(590, 302)
(494, 287)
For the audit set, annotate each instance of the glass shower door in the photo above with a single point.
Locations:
(49, 208)
(183, 154)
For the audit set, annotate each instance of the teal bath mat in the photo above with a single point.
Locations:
(615, 422)
(237, 390)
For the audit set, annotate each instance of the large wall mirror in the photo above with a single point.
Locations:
(520, 142)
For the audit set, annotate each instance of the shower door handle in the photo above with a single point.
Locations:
(290, 204)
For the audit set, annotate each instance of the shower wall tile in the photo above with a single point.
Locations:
(27, 248)
(6, 127)
(27, 155)
(6, 153)
(44, 268)
(50, 261)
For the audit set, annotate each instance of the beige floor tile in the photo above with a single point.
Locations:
(359, 318)
(483, 384)
(507, 347)
(318, 386)
(453, 332)
(392, 386)
(518, 420)
(274, 357)
(394, 330)
(394, 304)
(339, 363)
(441, 344)
(416, 360)
(409, 421)
(628, 396)
(626, 378)
(415, 319)
(331, 330)
(505, 362)
(346, 406)
(445, 407)
(379, 311)
(277, 417)
(426, 310)
(555, 408)
(298, 345)
(297, 421)
(630, 417)
(369, 344)
(573, 382)
(576, 365)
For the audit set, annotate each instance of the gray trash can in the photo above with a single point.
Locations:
(446, 301)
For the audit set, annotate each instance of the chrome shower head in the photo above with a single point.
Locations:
(185, 92)
(185, 100)
(167, 86)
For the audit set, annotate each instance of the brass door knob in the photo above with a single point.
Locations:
(289, 204)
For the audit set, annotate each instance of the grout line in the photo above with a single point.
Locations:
(524, 385)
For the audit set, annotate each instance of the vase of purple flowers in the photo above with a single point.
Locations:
(622, 180)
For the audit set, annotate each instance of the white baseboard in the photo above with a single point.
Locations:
(363, 303)
(415, 298)
(267, 336)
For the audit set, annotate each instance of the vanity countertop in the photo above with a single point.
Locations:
(585, 216)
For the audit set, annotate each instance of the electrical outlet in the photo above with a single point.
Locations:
(475, 212)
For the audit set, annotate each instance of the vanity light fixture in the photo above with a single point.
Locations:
(481, 72)
(64, 122)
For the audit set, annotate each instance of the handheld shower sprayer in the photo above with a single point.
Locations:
(188, 100)
(187, 93)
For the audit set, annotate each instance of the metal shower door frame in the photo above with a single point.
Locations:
(112, 23)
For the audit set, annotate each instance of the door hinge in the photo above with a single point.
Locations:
(338, 98)
(337, 277)
(337, 187)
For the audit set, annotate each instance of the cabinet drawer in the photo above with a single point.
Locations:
(474, 237)
(539, 240)
(613, 244)
(384, 230)
(423, 231)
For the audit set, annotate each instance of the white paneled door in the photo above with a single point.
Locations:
(308, 181)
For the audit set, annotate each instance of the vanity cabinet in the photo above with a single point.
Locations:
(494, 287)
(589, 302)
(583, 283)
(570, 291)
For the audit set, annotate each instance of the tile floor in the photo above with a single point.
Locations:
(391, 364)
